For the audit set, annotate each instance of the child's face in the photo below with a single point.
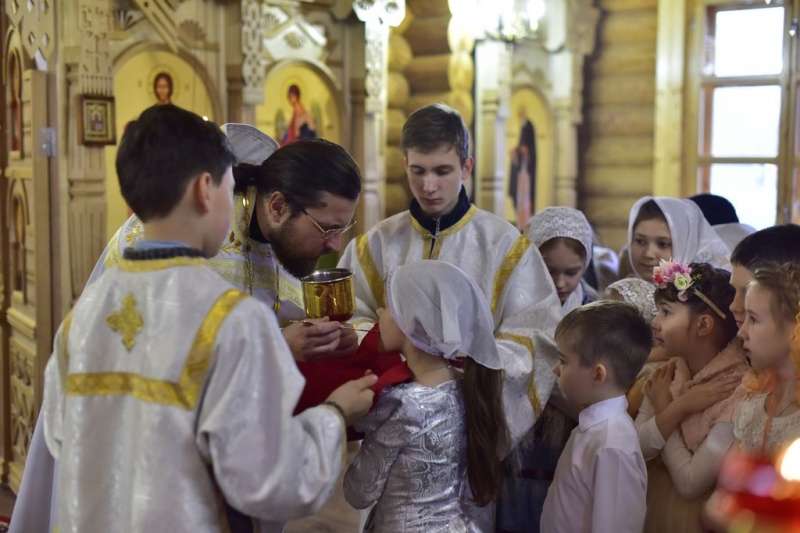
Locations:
(435, 178)
(740, 277)
(767, 338)
(391, 336)
(671, 327)
(565, 267)
(652, 242)
(574, 380)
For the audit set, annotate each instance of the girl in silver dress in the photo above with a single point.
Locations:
(429, 460)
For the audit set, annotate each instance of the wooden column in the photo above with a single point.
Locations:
(669, 126)
(493, 74)
(378, 18)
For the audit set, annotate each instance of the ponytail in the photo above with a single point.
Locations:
(483, 399)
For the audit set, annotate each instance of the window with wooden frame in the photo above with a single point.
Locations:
(742, 105)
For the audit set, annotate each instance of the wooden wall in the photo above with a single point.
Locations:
(617, 137)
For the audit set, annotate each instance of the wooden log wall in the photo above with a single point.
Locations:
(430, 60)
(617, 138)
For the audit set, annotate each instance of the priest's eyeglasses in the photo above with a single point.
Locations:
(328, 233)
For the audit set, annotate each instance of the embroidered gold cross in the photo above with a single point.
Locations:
(127, 321)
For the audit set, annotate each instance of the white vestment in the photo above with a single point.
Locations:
(512, 275)
(247, 264)
(168, 403)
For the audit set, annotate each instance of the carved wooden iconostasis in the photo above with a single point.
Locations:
(143, 80)
(317, 94)
(26, 320)
(529, 135)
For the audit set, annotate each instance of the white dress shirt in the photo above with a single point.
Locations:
(600, 482)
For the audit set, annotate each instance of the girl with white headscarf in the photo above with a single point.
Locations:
(671, 228)
(564, 238)
(434, 438)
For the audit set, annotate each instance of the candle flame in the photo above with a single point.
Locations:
(790, 462)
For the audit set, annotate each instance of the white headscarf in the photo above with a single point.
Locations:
(442, 311)
(733, 233)
(639, 293)
(561, 221)
(693, 239)
(250, 145)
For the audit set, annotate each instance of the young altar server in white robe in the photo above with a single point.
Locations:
(268, 248)
(169, 395)
(442, 224)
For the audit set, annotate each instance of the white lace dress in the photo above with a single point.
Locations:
(749, 422)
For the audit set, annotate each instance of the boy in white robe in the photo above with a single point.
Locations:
(442, 224)
(268, 247)
(169, 396)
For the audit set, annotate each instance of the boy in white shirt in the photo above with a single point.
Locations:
(600, 482)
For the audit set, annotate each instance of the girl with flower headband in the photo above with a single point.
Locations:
(685, 422)
(769, 417)
(662, 228)
(429, 458)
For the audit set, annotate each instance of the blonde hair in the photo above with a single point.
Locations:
(782, 282)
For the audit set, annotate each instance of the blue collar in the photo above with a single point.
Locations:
(445, 221)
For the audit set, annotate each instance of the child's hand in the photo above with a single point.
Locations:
(702, 396)
(657, 387)
(355, 397)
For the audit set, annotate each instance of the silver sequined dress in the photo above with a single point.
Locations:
(412, 463)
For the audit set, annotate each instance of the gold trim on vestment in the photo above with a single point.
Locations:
(427, 237)
(374, 278)
(127, 321)
(150, 265)
(112, 254)
(527, 342)
(507, 267)
(185, 392)
(132, 236)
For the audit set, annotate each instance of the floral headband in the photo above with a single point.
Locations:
(680, 276)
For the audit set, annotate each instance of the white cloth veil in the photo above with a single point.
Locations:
(561, 221)
(442, 311)
(250, 145)
(693, 238)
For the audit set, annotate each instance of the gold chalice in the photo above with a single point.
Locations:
(329, 292)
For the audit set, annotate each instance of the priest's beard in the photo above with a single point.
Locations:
(288, 250)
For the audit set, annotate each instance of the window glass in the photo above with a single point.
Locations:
(745, 121)
(752, 189)
(749, 42)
